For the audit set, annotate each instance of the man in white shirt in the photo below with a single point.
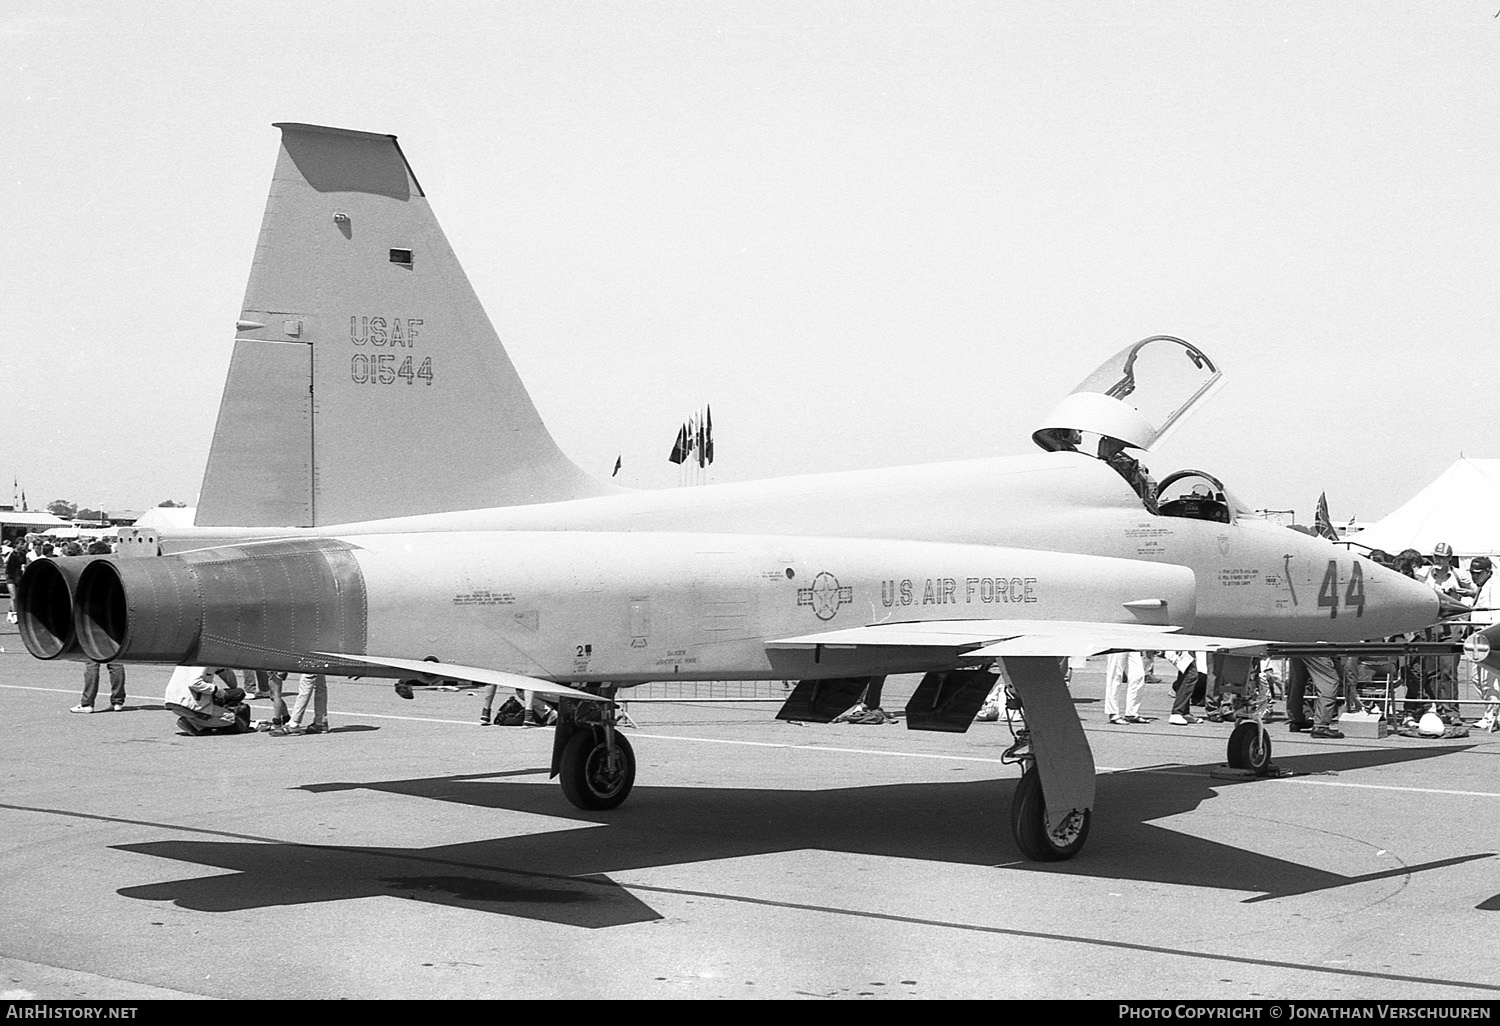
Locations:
(1486, 684)
(1444, 577)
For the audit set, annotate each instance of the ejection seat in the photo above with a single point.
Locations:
(1193, 495)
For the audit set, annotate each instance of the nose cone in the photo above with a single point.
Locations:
(1396, 603)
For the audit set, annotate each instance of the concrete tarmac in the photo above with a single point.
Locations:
(411, 853)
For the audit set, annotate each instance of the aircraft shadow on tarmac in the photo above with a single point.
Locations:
(563, 876)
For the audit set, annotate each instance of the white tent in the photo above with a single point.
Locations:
(1461, 507)
(167, 516)
(31, 521)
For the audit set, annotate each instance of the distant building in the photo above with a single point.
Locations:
(15, 523)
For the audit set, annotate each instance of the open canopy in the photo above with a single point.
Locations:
(1139, 395)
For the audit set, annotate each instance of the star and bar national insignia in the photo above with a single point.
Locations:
(825, 596)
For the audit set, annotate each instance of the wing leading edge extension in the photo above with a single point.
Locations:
(999, 638)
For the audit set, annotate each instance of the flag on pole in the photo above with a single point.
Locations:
(1322, 523)
(702, 448)
(708, 435)
(679, 448)
(617, 466)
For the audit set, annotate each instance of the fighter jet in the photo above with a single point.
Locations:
(382, 498)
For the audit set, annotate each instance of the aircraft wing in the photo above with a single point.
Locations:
(995, 638)
(477, 674)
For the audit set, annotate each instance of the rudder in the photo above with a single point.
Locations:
(367, 381)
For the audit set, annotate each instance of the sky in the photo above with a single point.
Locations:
(867, 234)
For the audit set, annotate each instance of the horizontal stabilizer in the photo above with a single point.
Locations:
(477, 674)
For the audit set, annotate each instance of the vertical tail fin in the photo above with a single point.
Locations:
(366, 380)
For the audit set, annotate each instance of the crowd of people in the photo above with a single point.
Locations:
(1432, 681)
(19, 553)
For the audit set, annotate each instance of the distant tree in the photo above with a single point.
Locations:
(84, 513)
(171, 505)
(62, 508)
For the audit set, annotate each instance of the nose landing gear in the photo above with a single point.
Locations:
(1250, 747)
(1249, 743)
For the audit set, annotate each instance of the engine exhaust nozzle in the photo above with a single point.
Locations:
(263, 605)
(145, 610)
(44, 605)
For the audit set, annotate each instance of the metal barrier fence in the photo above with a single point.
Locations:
(711, 691)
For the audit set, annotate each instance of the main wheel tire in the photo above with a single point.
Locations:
(1028, 822)
(588, 779)
(1250, 748)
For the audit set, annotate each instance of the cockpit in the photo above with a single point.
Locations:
(1194, 495)
(1135, 399)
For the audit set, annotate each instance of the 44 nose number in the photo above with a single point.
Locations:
(1354, 595)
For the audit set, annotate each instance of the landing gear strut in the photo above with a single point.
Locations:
(1056, 766)
(1249, 743)
(593, 759)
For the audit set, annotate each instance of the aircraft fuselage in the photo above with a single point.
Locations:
(1249, 579)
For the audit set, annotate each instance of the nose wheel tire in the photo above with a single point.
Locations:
(1250, 748)
(1028, 823)
(592, 778)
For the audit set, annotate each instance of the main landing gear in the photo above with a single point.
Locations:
(1028, 806)
(597, 772)
(1050, 812)
(594, 760)
(1028, 823)
(1057, 769)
